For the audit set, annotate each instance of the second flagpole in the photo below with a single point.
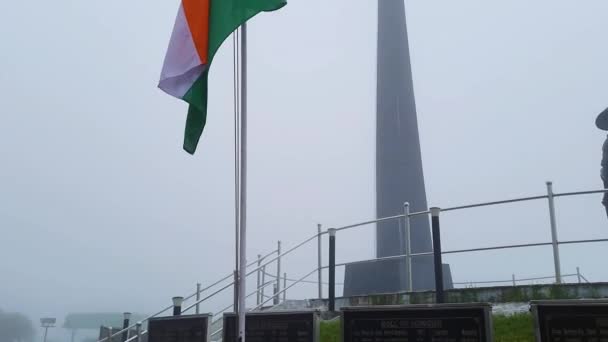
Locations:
(242, 309)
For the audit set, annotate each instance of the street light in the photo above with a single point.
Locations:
(46, 323)
(177, 305)
(125, 324)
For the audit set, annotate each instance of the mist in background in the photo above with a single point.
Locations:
(102, 211)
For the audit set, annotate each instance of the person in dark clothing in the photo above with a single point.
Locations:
(602, 123)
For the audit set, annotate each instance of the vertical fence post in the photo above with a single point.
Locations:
(408, 246)
(284, 286)
(578, 274)
(554, 241)
(513, 278)
(198, 297)
(439, 294)
(332, 270)
(278, 268)
(262, 294)
(110, 333)
(125, 324)
(258, 298)
(319, 262)
(275, 297)
(177, 305)
(138, 331)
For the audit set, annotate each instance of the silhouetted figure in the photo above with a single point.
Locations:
(602, 123)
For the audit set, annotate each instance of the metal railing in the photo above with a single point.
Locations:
(196, 305)
(514, 281)
(407, 215)
(261, 262)
(261, 265)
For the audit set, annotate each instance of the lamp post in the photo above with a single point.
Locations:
(125, 324)
(177, 305)
(46, 323)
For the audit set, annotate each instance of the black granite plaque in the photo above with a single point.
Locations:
(274, 327)
(191, 328)
(571, 321)
(414, 323)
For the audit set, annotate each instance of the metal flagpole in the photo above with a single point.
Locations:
(243, 188)
(237, 164)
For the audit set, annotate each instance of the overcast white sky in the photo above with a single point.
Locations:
(100, 209)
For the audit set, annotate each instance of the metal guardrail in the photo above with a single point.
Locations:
(550, 196)
(406, 216)
(196, 294)
(514, 280)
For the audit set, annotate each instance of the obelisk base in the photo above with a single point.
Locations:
(390, 276)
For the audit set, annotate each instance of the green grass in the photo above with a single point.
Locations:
(513, 328)
(330, 331)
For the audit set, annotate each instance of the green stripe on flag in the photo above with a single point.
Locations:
(197, 112)
(225, 17)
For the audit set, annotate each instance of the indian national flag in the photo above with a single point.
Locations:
(200, 28)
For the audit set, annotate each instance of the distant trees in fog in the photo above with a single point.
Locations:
(15, 327)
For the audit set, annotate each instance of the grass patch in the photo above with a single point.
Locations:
(514, 328)
(330, 331)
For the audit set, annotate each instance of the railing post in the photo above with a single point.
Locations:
(554, 241)
(319, 262)
(125, 324)
(408, 246)
(578, 274)
(332, 270)
(513, 278)
(275, 297)
(439, 294)
(262, 296)
(110, 333)
(177, 305)
(257, 301)
(198, 297)
(284, 286)
(278, 268)
(138, 331)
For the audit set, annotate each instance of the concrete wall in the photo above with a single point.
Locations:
(499, 294)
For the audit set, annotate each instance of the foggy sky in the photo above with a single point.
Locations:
(101, 210)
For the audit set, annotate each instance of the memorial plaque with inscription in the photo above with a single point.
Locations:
(274, 327)
(190, 328)
(571, 320)
(418, 323)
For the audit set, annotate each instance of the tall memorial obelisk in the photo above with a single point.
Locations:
(399, 174)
